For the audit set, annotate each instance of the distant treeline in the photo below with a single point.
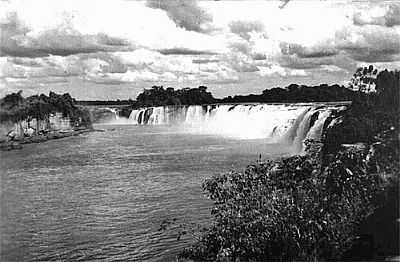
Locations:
(117, 102)
(160, 96)
(297, 93)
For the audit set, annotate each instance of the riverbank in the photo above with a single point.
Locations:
(39, 118)
(17, 143)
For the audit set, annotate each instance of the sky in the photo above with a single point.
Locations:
(113, 49)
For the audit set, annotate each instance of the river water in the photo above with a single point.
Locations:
(102, 196)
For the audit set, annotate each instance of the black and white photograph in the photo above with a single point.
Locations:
(200, 130)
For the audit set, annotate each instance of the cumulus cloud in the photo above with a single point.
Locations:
(82, 65)
(331, 68)
(275, 69)
(320, 50)
(147, 65)
(240, 62)
(370, 43)
(341, 60)
(241, 47)
(388, 15)
(65, 28)
(185, 13)
(18, 40)
(245, 28)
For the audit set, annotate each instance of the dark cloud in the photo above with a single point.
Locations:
(185, 13)
(62, 41)
(372, 44)
(342, 60)
(112, 41)
(308, 52)
(81, 65)
(242, 47)
(113, 63)
(241, 63)
(244, 28)
(183, 51)
(10, 31)
(204, 61)
(369, 43)
(390, 18)
(295, 62)
(258, 56)
(245, 67)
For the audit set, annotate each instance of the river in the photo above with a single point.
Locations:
(102, 196)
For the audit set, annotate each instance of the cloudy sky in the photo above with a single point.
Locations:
(114, 48)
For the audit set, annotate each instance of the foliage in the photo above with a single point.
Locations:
(14, 107)
(363, 79)
(295, 93)
(158, 96)
(287, 210)
(388, 89)
(369, 114)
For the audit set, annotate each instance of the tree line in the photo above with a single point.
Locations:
(361, 83)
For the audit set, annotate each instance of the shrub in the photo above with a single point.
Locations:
(287, 210)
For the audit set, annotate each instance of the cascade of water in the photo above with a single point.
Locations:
(290, 123)
(316, 130)
(157, 116)
(114, 111)
(194, 114)
(303, 129)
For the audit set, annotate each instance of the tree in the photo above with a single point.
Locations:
(388, 89)
(363, 79)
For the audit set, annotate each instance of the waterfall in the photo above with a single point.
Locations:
(291, 123)
(114, 111)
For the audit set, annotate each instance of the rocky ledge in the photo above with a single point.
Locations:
(17, 143)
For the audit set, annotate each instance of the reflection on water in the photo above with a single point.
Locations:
(103, 196)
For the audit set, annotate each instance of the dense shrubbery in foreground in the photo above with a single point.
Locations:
(289, 210)
(311, 207)
(14, 107)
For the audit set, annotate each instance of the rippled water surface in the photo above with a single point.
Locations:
(102, 196)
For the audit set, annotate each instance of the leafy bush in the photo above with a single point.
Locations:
(287, 210)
